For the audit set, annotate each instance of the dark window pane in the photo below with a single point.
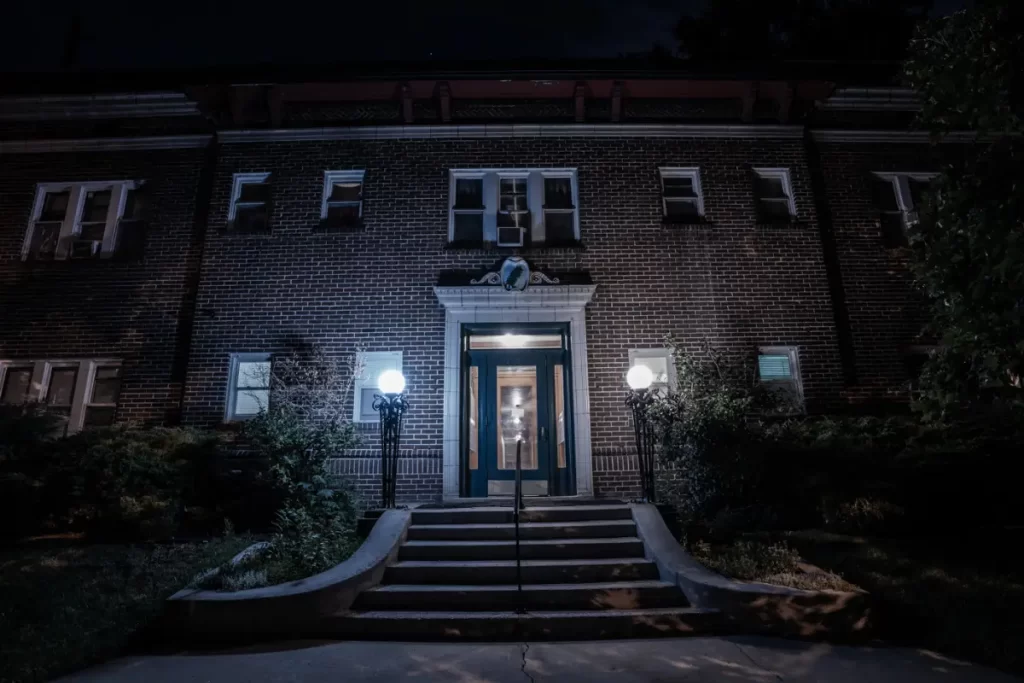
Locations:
(894, 233)
(510, 235)
(344, 213)
(558, 193)
(469, 193)
(770, 187)
(92, 231)
(62, 386)
(679, 187)
(99, 416)
(55, 205)
(469, 227)
(106, 385)
(559, 227)
(513, 202)
(17, 382)
(513, 186)
(773, 211)
(346, 192)
(251, 219)
(520, 219)
(254, 192)
(885, 195)
(44, 240)
(131, 206)
(681, 208)
(96, 206)
(918, 192)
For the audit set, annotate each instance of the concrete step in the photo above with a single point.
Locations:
(506, 625)
(564, 548)
(556, 596)
(533, 571)
(503, 515)
(531, 530)
(530, 502)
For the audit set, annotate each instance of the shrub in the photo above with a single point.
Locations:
(27, 431)
(862, 515)
(749, 560)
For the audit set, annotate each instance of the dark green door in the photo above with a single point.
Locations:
(517, 397)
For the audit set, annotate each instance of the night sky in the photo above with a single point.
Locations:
(123, 34)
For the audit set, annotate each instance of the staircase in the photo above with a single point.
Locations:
(584, 576)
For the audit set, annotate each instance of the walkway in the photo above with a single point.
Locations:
(732, 660)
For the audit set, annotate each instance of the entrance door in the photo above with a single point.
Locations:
(517, 398)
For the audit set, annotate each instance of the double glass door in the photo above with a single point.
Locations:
(517, 404)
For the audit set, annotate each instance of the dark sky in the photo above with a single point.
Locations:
(128, 34)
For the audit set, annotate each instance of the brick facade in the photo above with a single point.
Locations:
(202, 292)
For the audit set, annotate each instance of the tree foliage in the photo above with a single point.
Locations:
(969, 254)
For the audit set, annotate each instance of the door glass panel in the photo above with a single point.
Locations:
(560, 414)
(474, 414)
(517, 415)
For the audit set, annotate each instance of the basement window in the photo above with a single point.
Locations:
(773, 193)
(83, 220)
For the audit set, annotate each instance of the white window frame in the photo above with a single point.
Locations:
(691, 172)
(71, 225)
(232, 389)
(787, 187)
(40, 383)
(794, 366)
(370, 364)
(331, 177)
(237, 181)
(637, 354)
(491, 183)
(901, 188)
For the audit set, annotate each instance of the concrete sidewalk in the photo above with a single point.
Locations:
(735, 659)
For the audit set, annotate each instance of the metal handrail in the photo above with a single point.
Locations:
(517, 506)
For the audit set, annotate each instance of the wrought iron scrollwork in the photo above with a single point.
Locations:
(391, 408)
(639, 401)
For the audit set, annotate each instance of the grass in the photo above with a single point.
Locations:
(65, 604)
(956, 594)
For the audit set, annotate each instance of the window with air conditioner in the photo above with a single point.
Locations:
(899, 199)
(513, 207)
(84, 393)
(84, 220)
(250, 203)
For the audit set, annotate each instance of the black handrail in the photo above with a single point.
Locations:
(517, 506)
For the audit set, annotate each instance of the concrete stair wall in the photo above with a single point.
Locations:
(583, 571)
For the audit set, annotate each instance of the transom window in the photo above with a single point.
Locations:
(250, 203)
(85, 392)
(342, 198)
(898, 200)
(81, 220)
(513, 207)
(778, 369)
(773, 193)
(248, 385)
(682, 200)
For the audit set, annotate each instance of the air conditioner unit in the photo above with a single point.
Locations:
(86, 248)
(511, 237)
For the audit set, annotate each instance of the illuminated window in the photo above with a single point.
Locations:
(81, 220)
(778, 369)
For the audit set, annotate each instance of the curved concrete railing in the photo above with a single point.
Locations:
(752, 606)
(289, 608)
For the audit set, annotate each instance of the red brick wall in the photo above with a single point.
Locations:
(886, 315)
(734, 282)
(105, 308)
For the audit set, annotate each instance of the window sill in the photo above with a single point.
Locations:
(492, 248)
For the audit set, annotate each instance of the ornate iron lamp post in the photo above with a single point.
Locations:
(391, 405)
(639, 400)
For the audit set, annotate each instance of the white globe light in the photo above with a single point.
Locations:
(391, 382)
(639, 377)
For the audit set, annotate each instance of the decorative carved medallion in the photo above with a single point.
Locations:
(515, 274)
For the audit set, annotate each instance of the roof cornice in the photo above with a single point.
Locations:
(104, 144)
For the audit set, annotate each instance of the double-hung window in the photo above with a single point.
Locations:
(342, 203)
(250, 203)
(84, 392)
(513, 207)
(81, 220)
(248, 385)
(773, 193)
(898, 200)
(778, 369)
(681, 198)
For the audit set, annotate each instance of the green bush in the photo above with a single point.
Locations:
(27, 432)
(749, 560)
